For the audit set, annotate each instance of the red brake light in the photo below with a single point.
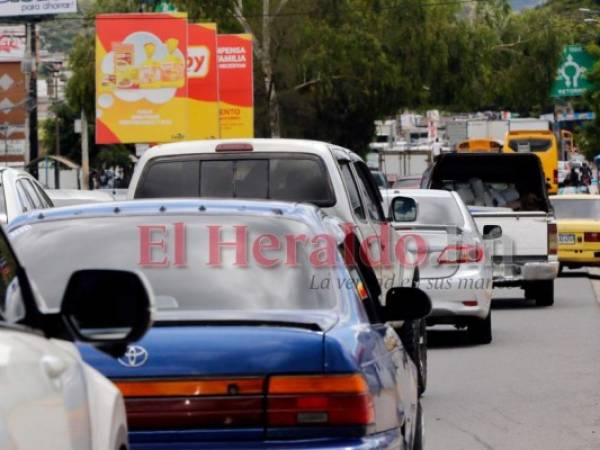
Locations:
(460, 254)
(319, 400)
(555, 176)
(234, 147)
(591, 237)
(552, 239)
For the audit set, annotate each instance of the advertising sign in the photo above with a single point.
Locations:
(12, 43)
(236, 93)
(571, 77)
(12, 103)
(141, 80)
(11, 8)
(203, 86)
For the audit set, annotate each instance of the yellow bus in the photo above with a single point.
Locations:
(544, 144)
(479, 146)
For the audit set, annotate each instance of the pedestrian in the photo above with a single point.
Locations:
(575, 176)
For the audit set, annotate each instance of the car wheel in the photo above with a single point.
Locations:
(480, 330)
(419, 437)
(561, 266)
(413, 335)
(541, 291)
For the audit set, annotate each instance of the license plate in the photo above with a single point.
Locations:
(566, 238)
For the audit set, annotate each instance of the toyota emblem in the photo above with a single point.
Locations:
(135, 356)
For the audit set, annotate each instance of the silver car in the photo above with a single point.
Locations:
(454, 264)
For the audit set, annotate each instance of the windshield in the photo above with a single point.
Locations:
(195, 267)
(576, 209)
(530, 145)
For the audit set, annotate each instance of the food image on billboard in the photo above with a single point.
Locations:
(141, 82)
(203, 86)
(236, 86)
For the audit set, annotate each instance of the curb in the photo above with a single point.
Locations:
(595, 283)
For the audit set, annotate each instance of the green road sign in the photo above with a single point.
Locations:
(571, 76)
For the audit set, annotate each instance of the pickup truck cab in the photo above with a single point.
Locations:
(509, 191)
(333, 178)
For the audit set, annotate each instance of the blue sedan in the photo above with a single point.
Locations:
(282, 347)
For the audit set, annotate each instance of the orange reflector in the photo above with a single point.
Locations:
(310, 384)
(190, 388)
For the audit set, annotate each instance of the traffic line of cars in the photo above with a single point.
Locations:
(288, 298)
(272, 326)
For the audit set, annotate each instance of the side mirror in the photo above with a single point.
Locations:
(492, 232)
(108, 308)
(403, 209)
(406, 303)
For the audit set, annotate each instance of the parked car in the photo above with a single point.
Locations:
(20, 193)
(578, 229)
(268, 351)
(508, 191)
(456, 269)
(330, 177)
(50, 398)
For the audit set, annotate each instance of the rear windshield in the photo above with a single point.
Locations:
(435, 211)
(207, 275)
(300, 178)
(529, 145)
(576, 209)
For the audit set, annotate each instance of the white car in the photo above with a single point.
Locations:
(20, 193)
(50, 398)
(456, 271)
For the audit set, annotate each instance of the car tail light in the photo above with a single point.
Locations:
(234, 147)
(319, 400)
(459, 254)
(555, 176)
(174, 404)
(552, 239)
(591, 237)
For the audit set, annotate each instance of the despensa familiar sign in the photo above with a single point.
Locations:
(10, 8)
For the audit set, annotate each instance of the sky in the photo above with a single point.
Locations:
(520, 4)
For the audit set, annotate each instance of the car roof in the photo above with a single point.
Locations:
(258, 145)
(305, 213)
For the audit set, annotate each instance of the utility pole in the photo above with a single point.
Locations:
(31, 77)
(85, 156)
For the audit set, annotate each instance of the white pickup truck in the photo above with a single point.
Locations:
(507, 190)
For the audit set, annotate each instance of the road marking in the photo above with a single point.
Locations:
(595, 282)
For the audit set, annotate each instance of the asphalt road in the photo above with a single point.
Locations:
(535, 387)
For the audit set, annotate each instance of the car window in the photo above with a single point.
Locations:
(297, 178)
(371, 201)
(32, 193)
(355, 201)
(24, 200)
(170, 179)
(239, 179)
(46, 202)
(12, 308)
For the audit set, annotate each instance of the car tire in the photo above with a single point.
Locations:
(413, 334)
(480, 330)
(419, 437)
(541, 291)
(561, 267)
